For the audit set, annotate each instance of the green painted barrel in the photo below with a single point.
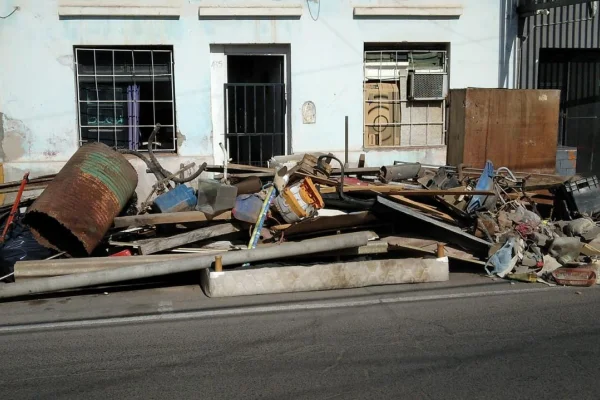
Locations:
(78, 207)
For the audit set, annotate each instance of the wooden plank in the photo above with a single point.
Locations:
(151, 246)
(327, 223)
(398, 190)
(237, 167)
(589, 250)
(168, 218)
(354, 171)
(247, 175)
(423, 207)
(433, 253)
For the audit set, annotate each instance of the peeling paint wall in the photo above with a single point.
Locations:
(38, 128)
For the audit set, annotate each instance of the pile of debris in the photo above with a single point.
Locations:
(297, 214)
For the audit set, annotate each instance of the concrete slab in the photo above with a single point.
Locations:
(342, 275)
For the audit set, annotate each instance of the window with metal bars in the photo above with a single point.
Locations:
(122, 93)
(392, 118)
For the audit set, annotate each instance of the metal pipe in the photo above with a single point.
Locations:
(75, 281)
(346, 142)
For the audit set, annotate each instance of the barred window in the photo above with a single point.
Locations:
(404, 96)
(123, 93)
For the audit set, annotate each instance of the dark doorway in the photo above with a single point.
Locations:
(255, 108)
(576, 73)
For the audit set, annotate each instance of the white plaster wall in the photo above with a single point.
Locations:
(37, 84)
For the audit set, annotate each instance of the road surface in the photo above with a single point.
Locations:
(488, 341)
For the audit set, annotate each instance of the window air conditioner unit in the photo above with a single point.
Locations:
(427, 85)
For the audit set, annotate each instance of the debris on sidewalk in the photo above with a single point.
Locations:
(521, 226)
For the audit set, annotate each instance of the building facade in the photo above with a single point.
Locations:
(559, 48)
(262, 78)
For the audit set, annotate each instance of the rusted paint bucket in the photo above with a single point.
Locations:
(78, 207)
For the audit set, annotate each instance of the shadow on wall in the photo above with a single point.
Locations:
(507, 43)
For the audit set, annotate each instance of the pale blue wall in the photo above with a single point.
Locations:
(37, 86)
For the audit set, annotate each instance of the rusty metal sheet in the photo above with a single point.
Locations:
(78, 207)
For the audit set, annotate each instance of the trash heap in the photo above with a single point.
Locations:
(521, 226)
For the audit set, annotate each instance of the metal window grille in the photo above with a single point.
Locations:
(122, 93)
(391, 119)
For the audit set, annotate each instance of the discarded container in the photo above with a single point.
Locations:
(299, 201)
(581, 197)
(399, 172)
(249, 185)
(79, 205)
(247, 208)
(181, 198)
(574, 276)
(214, 197)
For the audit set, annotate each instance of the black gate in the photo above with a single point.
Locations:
(255, 121)
(576, 72)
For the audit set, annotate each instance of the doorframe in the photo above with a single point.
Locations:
(218, 58)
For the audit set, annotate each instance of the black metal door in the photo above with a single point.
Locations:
(577, 74)
(255, 121)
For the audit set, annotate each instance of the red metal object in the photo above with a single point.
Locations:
(15, 207)
(574, 276)
(122, 253)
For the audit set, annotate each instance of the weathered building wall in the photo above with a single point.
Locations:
(39, 127)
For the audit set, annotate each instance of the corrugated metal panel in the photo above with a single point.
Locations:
(567, 27)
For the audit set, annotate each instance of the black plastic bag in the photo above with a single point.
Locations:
(19, 245)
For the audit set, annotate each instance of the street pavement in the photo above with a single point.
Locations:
(470, 338)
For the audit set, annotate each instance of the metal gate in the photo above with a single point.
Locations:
(255, 121)
(576, 72)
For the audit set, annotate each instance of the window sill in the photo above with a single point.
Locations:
(112, 11)
(447, 11)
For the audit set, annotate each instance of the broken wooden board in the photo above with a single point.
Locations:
(168, 218)
(327, 223)
(590, 251)
(150, 246)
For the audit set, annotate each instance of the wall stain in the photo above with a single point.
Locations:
(180, 139)
(67, 61)
(16, 139)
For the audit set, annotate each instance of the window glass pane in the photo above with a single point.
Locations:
(162, 62)
(164, 113)
(142, 62)
(163, 88)
(85, 61)
(124, 62)
(104, 62)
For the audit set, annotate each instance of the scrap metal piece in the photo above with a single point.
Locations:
(399, 172)
(78, 207)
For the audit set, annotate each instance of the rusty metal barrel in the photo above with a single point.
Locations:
(78, 207)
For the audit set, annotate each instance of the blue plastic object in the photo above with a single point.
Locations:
(181, 198)
(485, 182)
(247, 208)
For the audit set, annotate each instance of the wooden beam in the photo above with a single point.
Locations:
(398, 190)
(168, 218)
(423, 207)
(151, 246)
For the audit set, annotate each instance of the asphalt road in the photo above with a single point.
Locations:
(503, 344)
